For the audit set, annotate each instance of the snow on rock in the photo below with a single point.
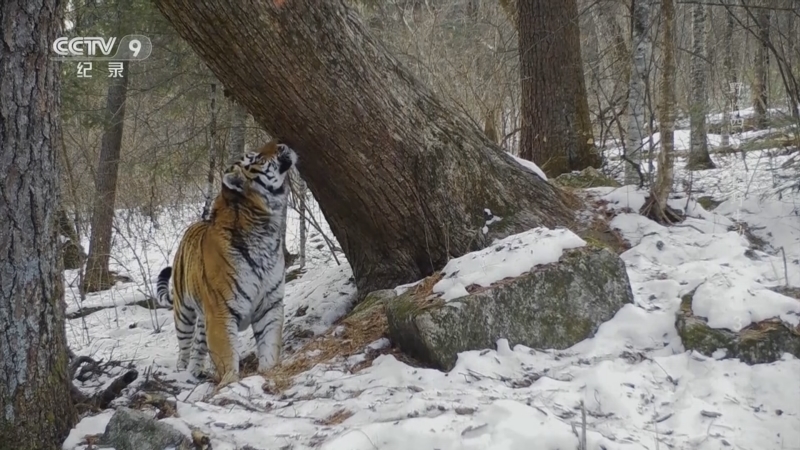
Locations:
(90, 425)
(530, 165)
(505, 258)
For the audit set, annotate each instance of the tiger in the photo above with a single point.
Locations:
(229, 271)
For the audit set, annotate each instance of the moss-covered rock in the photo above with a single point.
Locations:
(762, 342)
(129, 429)
(553, 306)
(586, 178)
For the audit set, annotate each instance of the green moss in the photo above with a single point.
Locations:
(708, 203)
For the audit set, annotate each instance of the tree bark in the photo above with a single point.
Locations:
(699, 157)
(656, 206)
(36, 411)
(98, 277)
(760, 90)
(402, 179)
(556, 131)
(637, 95)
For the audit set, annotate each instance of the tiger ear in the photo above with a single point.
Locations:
(234, 181)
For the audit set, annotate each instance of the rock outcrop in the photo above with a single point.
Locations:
(552, 306)
(130, 429)
(760, 342)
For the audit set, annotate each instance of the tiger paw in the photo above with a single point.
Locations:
(201, 374)
(228, 378)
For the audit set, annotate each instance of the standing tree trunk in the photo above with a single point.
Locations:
(699, 158)
(760, 91)
(656, 206)
(36, 411)
(731, 91)
(556, 132)
(637, 95)
(238, 131)
(403, 179)
(98, 277)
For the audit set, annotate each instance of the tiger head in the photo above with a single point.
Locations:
(263, 171)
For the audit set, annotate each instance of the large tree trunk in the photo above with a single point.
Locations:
(402, 179)
(556, 131)
(656, 206)
(760, 90)
(36, 410)
(98, 277)
(698, 103)
(640, 72)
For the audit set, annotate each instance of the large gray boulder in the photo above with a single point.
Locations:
(758, 343)
(129, 429)
(553, 306)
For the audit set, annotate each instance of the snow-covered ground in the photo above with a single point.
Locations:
(639, 387)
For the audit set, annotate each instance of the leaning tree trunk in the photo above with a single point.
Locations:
(656, 206)
(699, 158)
(402, 179)
(36, 410)
(556, 131)
(98, 277)
(760, 91)
(637, 93)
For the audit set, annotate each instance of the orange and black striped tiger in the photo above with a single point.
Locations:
(228, 272)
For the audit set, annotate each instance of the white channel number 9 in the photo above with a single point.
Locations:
(135, 46)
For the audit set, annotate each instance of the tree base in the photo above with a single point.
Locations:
(705, 164)
(665, 215)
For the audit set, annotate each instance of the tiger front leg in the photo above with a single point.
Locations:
(268, 333)
(222, 333)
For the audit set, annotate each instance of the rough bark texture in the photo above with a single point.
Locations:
(640, 71)
(98, 277)
(402, 178)
(556, 131)
(760, 91)
(36, 411)
(71, 251)
(656, 206)
(698, 104)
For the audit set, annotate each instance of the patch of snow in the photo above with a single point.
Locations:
(505, 258)
(89, 425)
(530, 165)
